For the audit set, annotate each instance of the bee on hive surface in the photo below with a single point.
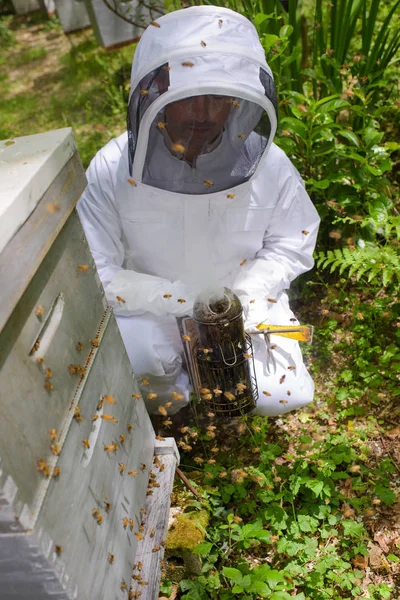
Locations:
(152, 533)
(48, 386)
(149, 492)
(208, 182)
(176, 396)
(83, 268)
(143, 466)
(143, 582)
(136, 396)
(229, 396)
(110, 558)
(160, 438)
(133, 473)
(144, 382)
(186, 338)
(151, 396)
(125, 522)
(137, 577)
(139, 535)
(95, 343)
(156, 548)
(131, 524)
(53, 435)
(109, 418)
(55, 449)
(79, 347)
(121, 438)
(130, 427)
(230, 196)
(162, 411)
(141, 528)
(43, 467)
(85, 442)
(121, 468)
(39, 311)
(110, 447)
(109, 399)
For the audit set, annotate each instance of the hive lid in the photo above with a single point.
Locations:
(28, 165)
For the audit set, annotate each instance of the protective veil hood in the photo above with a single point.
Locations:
(215, 54)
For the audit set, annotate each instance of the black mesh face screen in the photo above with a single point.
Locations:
(202, 143)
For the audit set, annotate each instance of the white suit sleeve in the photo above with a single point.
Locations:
(287, 251)
(102, 226)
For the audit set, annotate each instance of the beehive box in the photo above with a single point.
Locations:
(112, 30)
(72, 14)
(63, 499)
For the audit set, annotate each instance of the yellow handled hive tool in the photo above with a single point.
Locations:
(301, 333)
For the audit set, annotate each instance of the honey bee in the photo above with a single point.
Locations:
(220, 21)
(273, 346)
(55, 449)
(100, 404)
(144, 382)
(167, 296)
(56, 471)
(95, 343)
(133, 473)
(48, 386)
(79, 347)
(95, 417)
(130, 427)
(223, 475)
(283, 401)
(160, 438)
(293, 319)
(204, 391)
(211, 414)
(291, 368)
(72, 369)
(139, 535)
(203, 44)
(109, 399)
(211, 461)
(217, 392)
(178, 148)
(243, 262)
(109, 418)
(40, 360)
(95, 513)
(236, 104)
(58, 550)
(52, 207)
(184, 429)
(131, 524)
(230, 196)
(143, 93)
(207, 396)
(207, 350)
(305, 232)
(181, 300)
(271, 300)
(149, 492)
(83, 268)
(132, 595)
(110, 558)
(121, 438)
(186, 338)
(53, 435)
(43, 467)
(198, 460)
(241, 136)
(121, 468)
(39, 311)
(162, 411)
(246, 355)
(107, 506)
(141, 528)
(152, 533)
(136, 396)
(125, 522)
(187, 63)
(266, 393)
(282, 379)
(156, 548)
(111, 447)
(123, 586)
(143, 467)
(241, 386)
(168, 404)
(152, 396)
(137, 577)
(143, 511)
(214, 450)
(177, 396)
(160, 125)
(288, 392)
(143, 582)
(155, 24)
(85, 442)
(208, 182)
(252, 301)
(132, 182)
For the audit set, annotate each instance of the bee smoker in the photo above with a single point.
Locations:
(223, 355)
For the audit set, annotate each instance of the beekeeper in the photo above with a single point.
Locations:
(196, 196)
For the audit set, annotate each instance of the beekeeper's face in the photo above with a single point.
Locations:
(196, 122)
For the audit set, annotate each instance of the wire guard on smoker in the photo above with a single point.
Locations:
(224, 355)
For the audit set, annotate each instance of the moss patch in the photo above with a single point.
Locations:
(187, 531)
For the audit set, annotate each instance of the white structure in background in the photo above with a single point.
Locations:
(113, 31)
(23, 7)
(72, 14)
(68, 511)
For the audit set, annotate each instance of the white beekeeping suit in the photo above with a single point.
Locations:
(196, 196)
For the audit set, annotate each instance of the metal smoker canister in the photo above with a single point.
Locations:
(224, 355)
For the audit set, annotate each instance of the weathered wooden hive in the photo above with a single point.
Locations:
(68, 515)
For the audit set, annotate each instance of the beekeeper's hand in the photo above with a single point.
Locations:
(255, 311)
